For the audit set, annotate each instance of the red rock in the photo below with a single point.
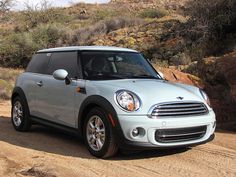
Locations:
(177, 76)
(220, 75)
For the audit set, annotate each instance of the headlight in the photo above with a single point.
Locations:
(127, 100)
(205, 97)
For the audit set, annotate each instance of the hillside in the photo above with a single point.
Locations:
(195, 40)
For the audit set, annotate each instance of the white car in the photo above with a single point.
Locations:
(113, 98)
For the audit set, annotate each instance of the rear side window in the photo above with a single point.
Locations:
(64, 60)
(39, 63)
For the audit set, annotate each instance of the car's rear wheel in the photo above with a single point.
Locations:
(98, 134)
(20, 115)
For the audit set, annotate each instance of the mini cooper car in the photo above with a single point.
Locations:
(113, 98)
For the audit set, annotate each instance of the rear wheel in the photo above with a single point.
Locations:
(20, 115)
(98, 134)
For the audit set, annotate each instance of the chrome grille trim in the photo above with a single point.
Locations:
(180, 134)
(183, 134)
(175, 109)
(184, 105)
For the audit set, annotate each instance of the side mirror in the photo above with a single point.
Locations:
(61, 74)
(161, 74)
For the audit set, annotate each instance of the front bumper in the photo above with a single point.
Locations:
(132, 145)
(150, 126)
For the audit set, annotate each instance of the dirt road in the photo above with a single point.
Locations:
(45, 152)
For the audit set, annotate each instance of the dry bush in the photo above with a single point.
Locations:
(153, 13)
(83, 35)
(7, 80)
(212, 17)
(209, 24)
(41, 13)
(5, 5)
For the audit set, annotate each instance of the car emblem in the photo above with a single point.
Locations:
(180, 98)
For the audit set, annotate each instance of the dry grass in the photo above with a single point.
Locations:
(7, 81)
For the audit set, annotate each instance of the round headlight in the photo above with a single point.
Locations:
(205, 97)
(128, 100)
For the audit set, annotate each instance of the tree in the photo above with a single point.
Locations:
(5, 5)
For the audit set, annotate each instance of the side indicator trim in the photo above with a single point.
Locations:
(81, 90)
(111, 120)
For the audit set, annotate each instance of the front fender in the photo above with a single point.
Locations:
(96, 100)
(17, 91)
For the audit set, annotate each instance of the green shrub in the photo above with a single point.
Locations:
(103, 14)
(51, 35)
(153, 13)
(18, 48)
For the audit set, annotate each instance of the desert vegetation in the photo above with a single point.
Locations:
(5, 5)
(190, 32)
(7, 81)
(211, 26)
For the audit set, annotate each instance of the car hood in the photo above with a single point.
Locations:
(151, 91)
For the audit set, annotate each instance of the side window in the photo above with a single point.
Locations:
(64, 60)
(38, 63)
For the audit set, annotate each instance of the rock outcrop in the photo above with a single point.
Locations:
(219, 74)
(177, 76)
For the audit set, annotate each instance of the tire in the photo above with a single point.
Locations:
(20, 116)
(109, 147)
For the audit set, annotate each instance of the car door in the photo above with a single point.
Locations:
(55, 100)
(34, 73)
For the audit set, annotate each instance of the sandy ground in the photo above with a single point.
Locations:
(44, 152)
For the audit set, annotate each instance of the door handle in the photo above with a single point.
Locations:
(40, 83)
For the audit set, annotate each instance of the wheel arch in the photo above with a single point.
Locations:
(17, 91)
(97, 101)
(26, 123)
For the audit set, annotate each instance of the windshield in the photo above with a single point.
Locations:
(116, 65)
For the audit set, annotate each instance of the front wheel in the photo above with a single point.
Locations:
(20, 115)
(98, 134)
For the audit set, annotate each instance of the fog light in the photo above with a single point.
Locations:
(135, 132)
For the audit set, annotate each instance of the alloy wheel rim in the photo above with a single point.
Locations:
(17, 114)
(95, 131)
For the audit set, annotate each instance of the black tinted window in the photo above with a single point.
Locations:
(116, 65)
(64, 60)
(39, 63)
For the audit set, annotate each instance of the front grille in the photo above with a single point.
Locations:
(180, 134)
(179, 109)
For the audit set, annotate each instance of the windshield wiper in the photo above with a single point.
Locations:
(105, 77)
(144, 76)
(114, 76)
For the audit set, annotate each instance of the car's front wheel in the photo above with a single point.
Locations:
(98, 134)
(20, 114)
